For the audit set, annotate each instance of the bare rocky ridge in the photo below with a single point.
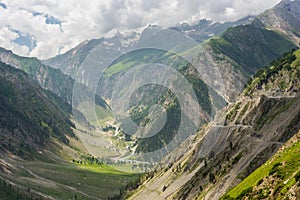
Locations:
(286, 22)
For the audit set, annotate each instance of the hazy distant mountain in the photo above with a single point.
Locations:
(205, 29)
(70, 61)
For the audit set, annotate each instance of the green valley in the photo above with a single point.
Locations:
(38, 144)
(205, 109)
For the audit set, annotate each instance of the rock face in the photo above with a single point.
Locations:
(285, 18)
(205, 29)
(244, 136)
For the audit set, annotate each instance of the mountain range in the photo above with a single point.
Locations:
(225, 152)
(62, 137)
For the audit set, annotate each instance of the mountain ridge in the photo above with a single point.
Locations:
(246, 46)
(262, 114)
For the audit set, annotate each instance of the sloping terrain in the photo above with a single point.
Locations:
(30, 125)
(40, 153)
(223, 65)
(47, 77)
(284, 18)
(240, 140)
(241, 50)
(62, 85)
(70, 61)
(154, 94)
(42, 157)
(278, 178)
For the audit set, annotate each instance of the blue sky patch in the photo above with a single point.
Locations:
(36, 14)
(3, 5)
(25, 39)
(52, 20)
(49, 19)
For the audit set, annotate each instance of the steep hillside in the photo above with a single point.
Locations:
(71, 60)
(26, 126)
(60, 84)
(223, 65)
(156, 93)
(278, 178)
(240, 140)
(240, 51)
(284, 18)
(41, 156)
(251, 46)
(47, 77)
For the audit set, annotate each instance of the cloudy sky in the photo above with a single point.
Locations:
(45, 28)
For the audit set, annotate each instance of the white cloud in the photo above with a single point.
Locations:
(83, 19)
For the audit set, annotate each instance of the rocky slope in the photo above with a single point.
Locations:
(205, 29)
(284, 18)
(241, 139)
(58, 83)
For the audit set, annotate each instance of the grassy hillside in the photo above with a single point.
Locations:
(278, 178)
(64, 181)
(286, 66)
(251, 46)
